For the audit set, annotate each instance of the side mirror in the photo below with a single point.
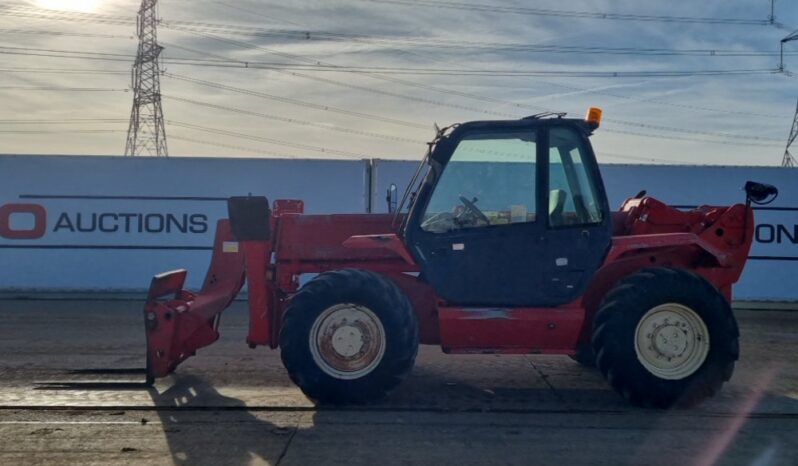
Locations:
(760, 193)
(391, 198)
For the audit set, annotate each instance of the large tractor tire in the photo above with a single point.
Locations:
(349, 336)
(665, 337)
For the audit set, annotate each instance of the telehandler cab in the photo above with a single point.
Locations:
(507, 245)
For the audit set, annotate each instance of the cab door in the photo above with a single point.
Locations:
(477, 230)
(578, 225)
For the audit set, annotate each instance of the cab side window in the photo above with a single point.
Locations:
(573, 199)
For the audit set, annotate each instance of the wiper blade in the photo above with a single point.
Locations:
(410, 193)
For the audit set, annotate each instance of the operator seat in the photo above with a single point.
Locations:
(557, 198)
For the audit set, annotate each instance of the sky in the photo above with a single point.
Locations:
(370, 78)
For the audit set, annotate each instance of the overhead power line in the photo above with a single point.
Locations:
(739, 139)
(642, 158)
(61, 89)
(199, 26)
(80, 16)
(696, 132)
(296, 121)
(420, 85)
(300, 103)
(658, 101)
(233, 63)
(63, 33)
(575, 13)
(483, 45)
(65, 131)
(60, 71)
(693, 139)
(385, 77)
(252, 150)
(492, 73)
(489, 99)
(51, 15)
(279, 142)
(61, 121)
(59, 53)
(345, 84)
(250, 12)
(723, 135)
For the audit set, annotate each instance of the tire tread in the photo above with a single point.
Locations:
(613, 339)
(358, 286)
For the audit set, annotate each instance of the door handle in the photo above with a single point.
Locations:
(585, 234)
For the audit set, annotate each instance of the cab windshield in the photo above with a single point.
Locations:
(489, 180)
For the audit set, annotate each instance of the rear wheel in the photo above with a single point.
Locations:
(665, 337)
(348, 336)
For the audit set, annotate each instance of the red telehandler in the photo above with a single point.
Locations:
(503, 243)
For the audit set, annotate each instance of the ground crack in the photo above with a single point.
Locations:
(287, 445)
(545, 378)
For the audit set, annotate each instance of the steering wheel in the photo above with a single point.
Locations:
(472, 207)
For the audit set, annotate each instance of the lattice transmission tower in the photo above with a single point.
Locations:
(146, 134)
(788, 160)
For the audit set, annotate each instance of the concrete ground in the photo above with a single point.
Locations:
(68, 396)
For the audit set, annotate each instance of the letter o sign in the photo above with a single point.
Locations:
(39, 221)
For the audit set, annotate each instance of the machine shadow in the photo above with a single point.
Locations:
(204, 427)
(430, 389)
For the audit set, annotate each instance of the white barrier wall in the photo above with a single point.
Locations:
(772, 269)
(110, 223)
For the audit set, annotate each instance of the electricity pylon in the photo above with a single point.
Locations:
(788, 160)
(146, 134)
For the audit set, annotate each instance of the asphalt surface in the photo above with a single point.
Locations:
(70, 394)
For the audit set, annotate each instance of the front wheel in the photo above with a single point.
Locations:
(348, 336)
(665, 337)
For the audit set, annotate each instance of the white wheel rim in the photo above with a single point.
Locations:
(671, 341)
(347, 341)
